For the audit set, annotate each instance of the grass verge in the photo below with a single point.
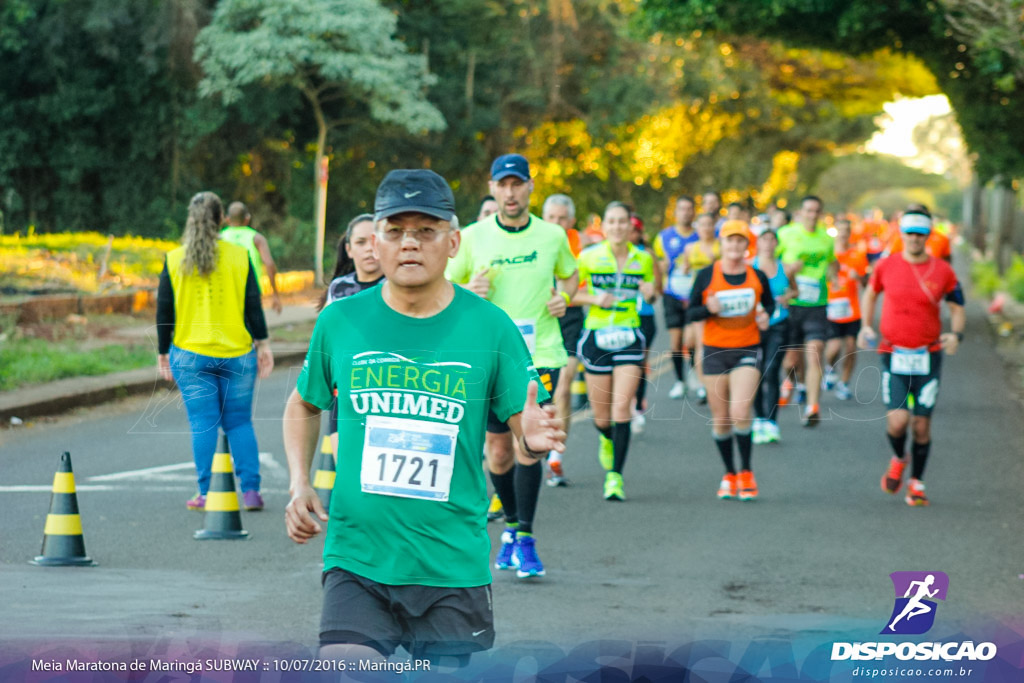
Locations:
(24, 362)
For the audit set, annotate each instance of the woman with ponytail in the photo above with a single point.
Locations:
(356, 268)
(213, 343)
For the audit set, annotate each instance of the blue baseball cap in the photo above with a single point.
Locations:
(916, 223)
(510, 164)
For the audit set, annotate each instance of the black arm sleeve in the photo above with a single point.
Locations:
(254, 320)
(696, 312)
(767, 298)
(164, 312)
(956, 296)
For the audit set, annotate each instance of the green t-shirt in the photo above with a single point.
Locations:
(817, 250)
(523, 266)
(409, 504)
(245, 236)
(599, 270)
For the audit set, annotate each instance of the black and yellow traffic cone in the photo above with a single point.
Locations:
(579, 391)
(223, 521)
(63, 543)
(323, 480)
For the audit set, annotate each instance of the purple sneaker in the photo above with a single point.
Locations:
(196, 502)
(252, 500)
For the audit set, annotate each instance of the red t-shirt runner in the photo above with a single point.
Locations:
(913, 293)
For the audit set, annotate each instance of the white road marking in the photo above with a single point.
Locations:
(143, 473)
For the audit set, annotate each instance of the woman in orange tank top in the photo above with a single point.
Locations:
(735, 302)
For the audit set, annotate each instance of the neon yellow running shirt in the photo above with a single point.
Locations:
(600, 272)
(522, 267)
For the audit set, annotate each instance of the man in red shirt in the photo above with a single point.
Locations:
(912, 344)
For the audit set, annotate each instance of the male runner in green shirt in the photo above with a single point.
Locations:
(417, 363)
(808, 259)
(513, 259)
(238, 231)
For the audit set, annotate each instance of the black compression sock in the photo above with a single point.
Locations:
(918, 458)
(677, 364)
(898, 444)
(724, 443)
(606, 432)
(528, 479)
(620, 439)
(743, 442)
(641, 389)
(505, 487)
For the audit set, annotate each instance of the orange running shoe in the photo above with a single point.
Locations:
(727, 489)
(785, 391)
(915, 493)
(892, 480)
(747, 485)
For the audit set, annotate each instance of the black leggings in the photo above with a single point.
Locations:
(766, 402)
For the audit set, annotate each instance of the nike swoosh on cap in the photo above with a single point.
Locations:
(509, 165)
(476, 633)
(410, 195)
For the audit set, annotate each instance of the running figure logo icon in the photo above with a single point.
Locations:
(914, 611)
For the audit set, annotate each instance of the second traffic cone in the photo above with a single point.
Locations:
(323, 480)
(223, 521)
(63, 543)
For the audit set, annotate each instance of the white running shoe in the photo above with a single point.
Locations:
(757, 434)
(678, 390)
(771, 432)
(843, 392)
(638, 423)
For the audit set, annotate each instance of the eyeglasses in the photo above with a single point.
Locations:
(422, 235)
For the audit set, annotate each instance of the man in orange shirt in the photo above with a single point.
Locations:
(843, 311)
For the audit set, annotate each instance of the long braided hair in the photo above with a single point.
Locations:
(202, 232)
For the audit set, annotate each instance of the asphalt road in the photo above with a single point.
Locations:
(672, 564)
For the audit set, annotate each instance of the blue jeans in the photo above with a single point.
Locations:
(218, 393)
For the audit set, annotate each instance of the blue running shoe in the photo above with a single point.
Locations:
(505, 558)
(525, 559)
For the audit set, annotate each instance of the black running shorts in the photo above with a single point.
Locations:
(721, 361)
(840, 330)
(897, 389)
(599, 361)
(675, 312)
(429, 621)
(807, 324)
(571, 324)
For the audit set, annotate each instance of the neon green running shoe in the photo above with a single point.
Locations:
(606, 454)
(613, 487)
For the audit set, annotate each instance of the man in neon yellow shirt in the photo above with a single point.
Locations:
(511, 259)
(808, 259)
(239, 232)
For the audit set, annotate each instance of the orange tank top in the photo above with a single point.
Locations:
(735, 325)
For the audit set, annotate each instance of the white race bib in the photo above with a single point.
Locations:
(736, 303)
(680, 283)
(910, 361)
(408, 458)
(839, 309)
(614, 338)
(528, 328)
(808, 289)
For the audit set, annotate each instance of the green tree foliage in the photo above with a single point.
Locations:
(992, 119)
(339, 54)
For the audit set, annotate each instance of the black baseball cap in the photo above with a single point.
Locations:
(414, 190)
(510, 164)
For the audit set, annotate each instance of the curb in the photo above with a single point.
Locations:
(63, 395)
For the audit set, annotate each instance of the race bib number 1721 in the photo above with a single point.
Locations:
(408, 458)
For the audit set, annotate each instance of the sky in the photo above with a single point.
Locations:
(896, 127)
